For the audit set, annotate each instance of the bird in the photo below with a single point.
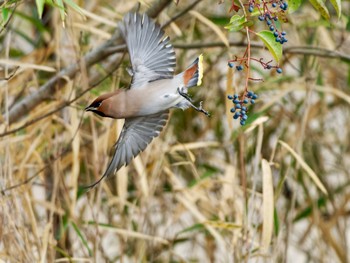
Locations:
(153, 91)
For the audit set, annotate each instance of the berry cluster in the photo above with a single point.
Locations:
(240, 108)
(270, 16)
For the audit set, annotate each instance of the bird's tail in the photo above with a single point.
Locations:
(193, 75)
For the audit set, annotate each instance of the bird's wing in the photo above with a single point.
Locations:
(152, 56)
(136, 134)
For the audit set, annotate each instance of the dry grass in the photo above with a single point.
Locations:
(206, 190)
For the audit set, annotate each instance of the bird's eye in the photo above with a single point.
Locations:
(96, 104)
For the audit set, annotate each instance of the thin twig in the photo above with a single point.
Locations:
(297, 50)
(183, 12)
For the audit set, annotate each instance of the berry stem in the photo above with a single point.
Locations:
(247, 62)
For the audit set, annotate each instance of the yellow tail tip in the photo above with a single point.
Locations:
(200, 69)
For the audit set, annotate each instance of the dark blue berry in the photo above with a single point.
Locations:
(238, 106)
(236, 101)
(268, 66)
(243, 112)
(284, 33)
(245, 101)
(245, 117)
(237, 114)
(272, 28)
(239, 68)
(252, 101)
(244, 108)
(278, 39)
(233, 110)
(284, 6)
(231, 64)
(275, 34)
(242, 122)
(229, 97)
(275, 18)
(279, 70)
(235, 96)
(249, 94)
(268, 22)
(274, 4)
(261, 18)
(251, 9)
(254, 97)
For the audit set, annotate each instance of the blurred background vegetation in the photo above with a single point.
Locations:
(206, 190)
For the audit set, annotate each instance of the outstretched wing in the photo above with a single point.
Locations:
(136, 134)
(152, 56)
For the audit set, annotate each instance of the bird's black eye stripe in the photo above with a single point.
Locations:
(96, 104)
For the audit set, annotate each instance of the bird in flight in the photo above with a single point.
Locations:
(154, 89)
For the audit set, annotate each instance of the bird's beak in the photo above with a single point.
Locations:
(89, 108)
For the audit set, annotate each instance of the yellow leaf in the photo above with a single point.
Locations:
(305, 166)
(268, 205)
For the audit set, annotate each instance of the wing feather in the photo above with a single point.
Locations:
(136, 134)
(151, 54)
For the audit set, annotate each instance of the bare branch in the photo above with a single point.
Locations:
(298, 50)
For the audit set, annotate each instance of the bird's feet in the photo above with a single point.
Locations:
(189, 99)
(200, 109)
(184, 94)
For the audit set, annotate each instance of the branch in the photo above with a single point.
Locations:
(91, 58)
(298, 50)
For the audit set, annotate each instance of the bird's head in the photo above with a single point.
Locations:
(106, 104)
(97, 107)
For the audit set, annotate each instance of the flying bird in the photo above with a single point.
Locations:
(154, 89)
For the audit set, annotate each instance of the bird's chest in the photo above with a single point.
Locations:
(162, 100)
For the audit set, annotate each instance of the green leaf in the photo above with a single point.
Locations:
(321, 202)
(269, 40)
(276, 222)
(293, 5)
(5, 14)
(82, 238)
(218, 20)
(195, 227)
(40, 6)
(62, 227)
(337, 6)
(321, 7)
(236, 23)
